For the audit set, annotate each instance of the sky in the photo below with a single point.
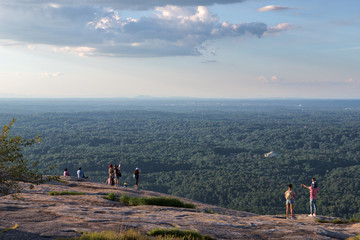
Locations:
(180, 48)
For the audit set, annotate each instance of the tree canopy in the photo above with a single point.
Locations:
(211, 154)
(14, 168)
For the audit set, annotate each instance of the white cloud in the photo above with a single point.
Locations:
(118, 4)
(272, 8)
(263, 79)
(351, 81)
(31, 47)
(271, 79)
(80, 51)
(282, 27)
(52, 75)
(87, 30)
(54, 5)
(274, 78)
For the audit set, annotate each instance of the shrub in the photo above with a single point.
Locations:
(322, 221)
(65, 193)
(209, 210)
(158, 201)
(124, 199)
(14, 168)
(355, 238)
(111, 196)
(354, 220)
(176, 233)
(339, 221)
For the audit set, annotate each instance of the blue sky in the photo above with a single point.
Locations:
(222, 49)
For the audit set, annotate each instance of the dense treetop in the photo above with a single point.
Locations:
(211, 152)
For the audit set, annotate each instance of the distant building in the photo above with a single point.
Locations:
(272, 154)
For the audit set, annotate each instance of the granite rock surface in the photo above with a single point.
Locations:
(41, 216)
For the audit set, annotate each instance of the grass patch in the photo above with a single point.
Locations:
(355, 238)
(53, 193)
(131, 234)
(8, 229)
(209, 210)
(55, 178)
(334, 221)
(339, 221)
(354, 220)
(322, 221)
(158, 201)
(111, 196)
(110, 235)
(177, 233)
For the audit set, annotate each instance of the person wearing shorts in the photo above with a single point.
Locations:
(290, 202)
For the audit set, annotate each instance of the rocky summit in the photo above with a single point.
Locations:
(43, 216)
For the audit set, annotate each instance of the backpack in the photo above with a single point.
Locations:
(288, 195)
(118, 173)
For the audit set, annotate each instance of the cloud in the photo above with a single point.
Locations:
(52, 75)
(95, 30)
(272, 79)
(209, 61)
(80, 51)
(282, 27)
(272, 8)
(118, 4)
(351, 81)
(276, 79)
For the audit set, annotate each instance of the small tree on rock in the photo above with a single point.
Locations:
(14, 168)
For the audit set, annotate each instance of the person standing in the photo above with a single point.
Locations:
(137, 176)
(117, 174)
(313, 192)
(111, 175)
(290, 202)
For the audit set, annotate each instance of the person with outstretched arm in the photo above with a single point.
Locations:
(313, 192)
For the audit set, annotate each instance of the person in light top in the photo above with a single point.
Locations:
(80, 174)
(290, 202)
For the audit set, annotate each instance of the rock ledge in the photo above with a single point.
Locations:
(41, 216)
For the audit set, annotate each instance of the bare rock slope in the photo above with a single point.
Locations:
(41, 216)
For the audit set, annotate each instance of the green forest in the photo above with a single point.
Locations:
(212, 155)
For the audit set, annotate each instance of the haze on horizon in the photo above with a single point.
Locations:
(215, 49)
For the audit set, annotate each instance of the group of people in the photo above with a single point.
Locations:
(80, 173)
(115, 174)
(290, 199)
